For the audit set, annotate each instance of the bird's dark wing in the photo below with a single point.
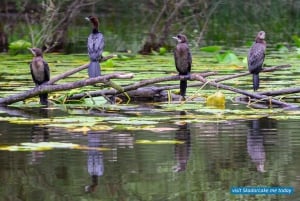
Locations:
(95, 46)
(189, 61)
(176, 56)
(256, 57)
(32, 74)
(46, 71)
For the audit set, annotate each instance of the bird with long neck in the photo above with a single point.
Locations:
(183, 60)
(256, 57)
(95, 47)
(40, 72)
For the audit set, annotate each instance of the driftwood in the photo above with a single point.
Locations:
(51, 88)
(137, 85)
(140, 89)
(136, 89)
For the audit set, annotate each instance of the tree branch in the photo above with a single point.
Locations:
(252, 95)
(133, 86)
(51, 88)
(75, 70)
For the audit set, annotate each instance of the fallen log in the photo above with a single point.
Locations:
(135, 86)
(51, 88)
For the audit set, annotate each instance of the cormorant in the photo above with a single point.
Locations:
(95, 47)
(256, 58)
(183, 60)
(40, 72)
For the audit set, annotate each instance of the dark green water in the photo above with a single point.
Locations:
(213, 157)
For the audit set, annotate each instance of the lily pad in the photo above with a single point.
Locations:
(159, 142)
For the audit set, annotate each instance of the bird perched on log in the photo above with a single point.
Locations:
(183, 60)
(95, 47)
(256, 58)
(40, 72)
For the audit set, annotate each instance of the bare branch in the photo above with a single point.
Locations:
(51, 88)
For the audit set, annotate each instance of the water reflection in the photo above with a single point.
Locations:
(259, 128)
(38, 134)
(95, 164)
(182, 151)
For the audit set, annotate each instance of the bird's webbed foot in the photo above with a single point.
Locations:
(182, 99)
(185, 77)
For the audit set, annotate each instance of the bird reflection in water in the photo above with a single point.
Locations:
(39, 134)
(256, 140)
(94, 161)
(182, 151)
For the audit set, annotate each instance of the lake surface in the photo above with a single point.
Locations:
(147, 151)
(175, 160)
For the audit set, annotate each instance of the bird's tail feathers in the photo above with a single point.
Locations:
(44, 99)
(94, 69)
(183, 86)
(255, 80)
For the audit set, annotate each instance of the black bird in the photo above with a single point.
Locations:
(183, 60)
(95, 47)
(256, 58)
(40, 72)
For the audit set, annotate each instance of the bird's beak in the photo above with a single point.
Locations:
(176, 38)
(31, 50)
(88, 19)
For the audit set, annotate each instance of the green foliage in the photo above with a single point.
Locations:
(19, 46)
(108, 64)
(213, 48)
(282, 48)
(296, 40)
(162, 51)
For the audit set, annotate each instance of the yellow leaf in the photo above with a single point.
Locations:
(216, 100)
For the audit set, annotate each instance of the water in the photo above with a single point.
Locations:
(213, 157)
(148, 151)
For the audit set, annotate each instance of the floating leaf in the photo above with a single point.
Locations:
(228, 58)
(216, 100)
(108, 64)
(159, 142)
(160, 129)
(41, 146)
(45, 146)
(134, 122)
